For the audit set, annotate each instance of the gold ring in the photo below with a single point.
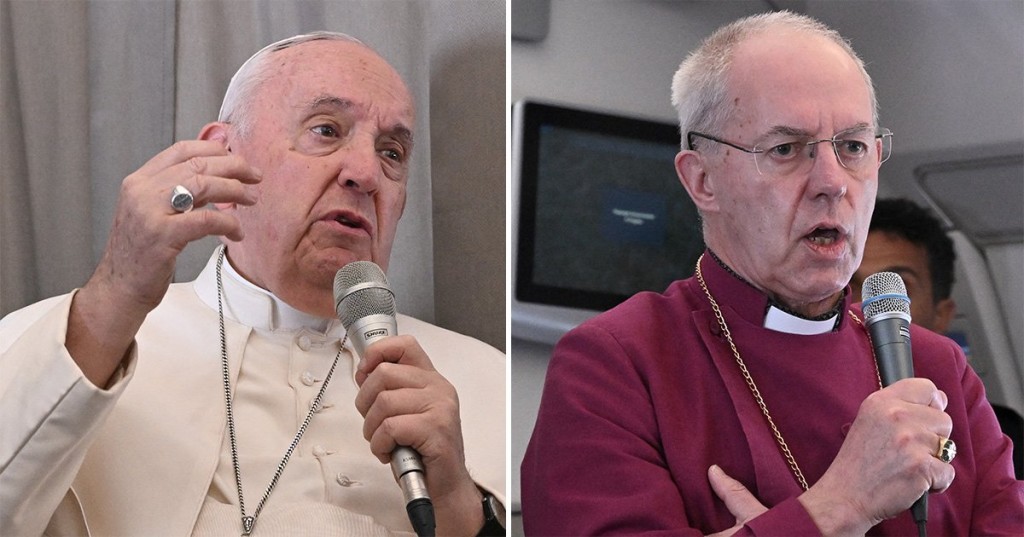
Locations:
(946, 450)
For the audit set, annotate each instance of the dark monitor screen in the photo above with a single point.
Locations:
(602, 213)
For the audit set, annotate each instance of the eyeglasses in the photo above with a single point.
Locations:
(859, 150)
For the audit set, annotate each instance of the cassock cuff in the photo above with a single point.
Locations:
(786, 519)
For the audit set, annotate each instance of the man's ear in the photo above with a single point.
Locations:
(693, 174)
(217, 131)
(945, 309)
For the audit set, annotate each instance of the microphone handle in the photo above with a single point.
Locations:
(405, 461)
(890, 337)
(408, 468)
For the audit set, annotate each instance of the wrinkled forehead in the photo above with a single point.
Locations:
(347, 69)
(773, 71)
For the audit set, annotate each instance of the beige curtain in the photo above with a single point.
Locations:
(92, 89)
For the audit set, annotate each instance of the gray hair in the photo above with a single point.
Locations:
(235, 107)
(699, 86)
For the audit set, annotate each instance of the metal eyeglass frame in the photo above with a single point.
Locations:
(881, 133)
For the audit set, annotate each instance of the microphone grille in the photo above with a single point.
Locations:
(884, 292)
(361, 289)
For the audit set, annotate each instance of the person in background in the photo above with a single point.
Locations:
(906, 239)
(133, 406)
(746, 399)
(909, 240)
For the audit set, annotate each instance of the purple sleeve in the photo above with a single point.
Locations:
(999, 498)
(595, 464)
(786, 519)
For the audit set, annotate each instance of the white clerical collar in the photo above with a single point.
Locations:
(781, 321)
(252, 305)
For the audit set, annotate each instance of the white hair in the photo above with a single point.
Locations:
(699, 86)
(235, 107)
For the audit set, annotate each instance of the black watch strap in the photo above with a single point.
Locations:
(494, 517)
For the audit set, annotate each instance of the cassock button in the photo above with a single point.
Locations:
(345, 481)
(304, 342)
(320, 451)
(716, 329)
(308, 379)
(324, 405)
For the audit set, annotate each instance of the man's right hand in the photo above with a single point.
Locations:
(146, 237)
(887, 460)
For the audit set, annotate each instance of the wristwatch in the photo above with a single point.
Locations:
(494, 517)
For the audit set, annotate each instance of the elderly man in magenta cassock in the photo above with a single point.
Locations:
(746, 399)
(231, 404)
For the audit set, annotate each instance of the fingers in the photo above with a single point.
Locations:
(402, 390)
(221, 180)
(148, 234)
(403, 350)
(943, 477)
(395, 389)
(888, 459)
(196, 153)
(390, 389)
(913, 402)
(920, 391)
(939, 400)
(941, 471)
(427, 426)
(198, 224)
(206, 169)
(913, 411)
(193, 225)
(209, 172)
(404, 401)
(740, 502)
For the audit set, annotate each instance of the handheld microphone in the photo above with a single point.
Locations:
(366, 306)
(887, 315)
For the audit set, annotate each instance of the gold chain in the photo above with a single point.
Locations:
(874, 360)
(753, 387)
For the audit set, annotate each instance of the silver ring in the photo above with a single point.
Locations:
(181, 199)
(946, 450)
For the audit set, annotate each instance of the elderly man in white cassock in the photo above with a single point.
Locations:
(234, 404)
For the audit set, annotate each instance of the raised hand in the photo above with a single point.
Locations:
(145, 239)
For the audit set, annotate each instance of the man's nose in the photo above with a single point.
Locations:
(829, 178)
(360, 167)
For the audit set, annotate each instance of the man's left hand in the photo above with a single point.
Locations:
(406, 402)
